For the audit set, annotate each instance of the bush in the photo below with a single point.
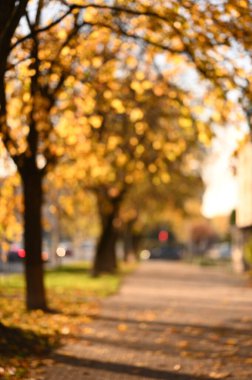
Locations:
(248, 251)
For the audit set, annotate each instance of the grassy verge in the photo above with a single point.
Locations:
(27, 336)
(207, 262)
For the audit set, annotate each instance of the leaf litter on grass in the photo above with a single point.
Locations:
(26, 338)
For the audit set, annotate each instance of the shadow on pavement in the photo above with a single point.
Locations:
(196, 341)
(125, 369)
(244, 327)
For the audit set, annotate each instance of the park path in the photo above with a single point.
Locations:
(171, 321)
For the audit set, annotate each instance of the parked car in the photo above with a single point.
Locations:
(165, 253)
(220, 251)
(15, 255)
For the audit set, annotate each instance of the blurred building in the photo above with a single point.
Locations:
(242, 231)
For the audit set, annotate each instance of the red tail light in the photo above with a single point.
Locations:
(21, 253)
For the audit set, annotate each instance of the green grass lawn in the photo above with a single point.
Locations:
(68, 278)
(71, 291)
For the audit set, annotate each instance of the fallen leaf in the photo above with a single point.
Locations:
(231, 342)
(160, 340)
(2, 370)
(184, 354)
(219, 375)
(177, 367)
(35, 363)
(122, 327)
(248, 361)
(142, 326)
(88, 330)
(150, 316)
(11, 371)
(214, 337)
(65, 330)
(183, 344)
(139, 364)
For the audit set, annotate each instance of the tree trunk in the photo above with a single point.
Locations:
(128, 247)
(136, 241)
(105, 256)
(32, 192)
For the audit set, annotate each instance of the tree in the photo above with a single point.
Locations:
(148, 206)
(10, 14)
(185, 32)
(32, 90)
(127, 137)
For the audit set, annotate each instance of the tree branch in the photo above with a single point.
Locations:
(119, 9)
(41, 30)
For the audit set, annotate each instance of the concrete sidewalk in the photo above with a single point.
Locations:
(169, 321)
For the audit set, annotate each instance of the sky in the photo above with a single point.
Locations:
(220, 196)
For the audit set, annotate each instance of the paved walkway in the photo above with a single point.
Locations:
(169, 321)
